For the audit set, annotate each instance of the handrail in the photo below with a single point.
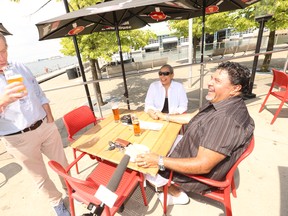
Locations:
(140, 72)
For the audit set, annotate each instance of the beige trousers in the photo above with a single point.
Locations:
(28, 149)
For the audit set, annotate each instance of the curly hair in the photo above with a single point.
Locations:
(238, 74)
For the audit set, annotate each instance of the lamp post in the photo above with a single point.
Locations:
(264, 12)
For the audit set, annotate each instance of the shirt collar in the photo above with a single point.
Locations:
(222, 103)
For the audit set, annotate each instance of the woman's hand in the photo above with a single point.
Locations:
(153, 114)
(147, 160)
(161, 116)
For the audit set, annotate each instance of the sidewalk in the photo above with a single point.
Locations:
(261, 178)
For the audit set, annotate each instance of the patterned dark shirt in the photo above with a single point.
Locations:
(224, 127)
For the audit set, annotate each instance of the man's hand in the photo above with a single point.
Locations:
(12, 93)
(147, 160)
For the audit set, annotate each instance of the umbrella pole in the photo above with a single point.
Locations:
(122, 64)
(202, 55)
(80, 63)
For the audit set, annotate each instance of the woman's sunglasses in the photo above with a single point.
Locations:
(163, 73)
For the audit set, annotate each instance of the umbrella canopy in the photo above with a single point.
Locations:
(3, 30)
(131, 14)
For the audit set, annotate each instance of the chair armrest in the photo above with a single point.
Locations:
(211, 182)
(67, 169)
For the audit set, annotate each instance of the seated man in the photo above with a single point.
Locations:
(215, 137)
(165, 95)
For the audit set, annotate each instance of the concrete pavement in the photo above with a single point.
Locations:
(261, 179)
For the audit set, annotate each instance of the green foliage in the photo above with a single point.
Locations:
(240, 20)
(104, 44)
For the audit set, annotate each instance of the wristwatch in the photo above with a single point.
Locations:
(161, 163)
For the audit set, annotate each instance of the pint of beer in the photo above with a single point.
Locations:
(12, 75)
(115, 110)
(136, 125)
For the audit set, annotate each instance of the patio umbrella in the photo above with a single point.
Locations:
(3, 30)
(131, 14)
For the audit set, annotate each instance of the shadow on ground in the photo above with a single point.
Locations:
(8, 171)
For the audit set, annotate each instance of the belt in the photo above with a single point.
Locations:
(31, 128)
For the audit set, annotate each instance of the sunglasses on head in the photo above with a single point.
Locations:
(163, 73)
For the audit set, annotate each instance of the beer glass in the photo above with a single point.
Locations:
(136, 124)
(12, 75)
(115, 110)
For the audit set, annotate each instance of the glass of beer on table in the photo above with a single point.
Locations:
(115, 110)
(136, 124)
(12, 75)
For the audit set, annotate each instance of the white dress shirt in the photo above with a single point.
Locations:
(177, 98)
(26, 111)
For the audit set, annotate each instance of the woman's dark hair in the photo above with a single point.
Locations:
(170, 68)
(238, 74)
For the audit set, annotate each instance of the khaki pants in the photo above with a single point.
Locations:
(28, 149)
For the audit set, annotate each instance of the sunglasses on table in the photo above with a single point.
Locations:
(164, 73)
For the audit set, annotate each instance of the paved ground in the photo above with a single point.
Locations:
(261, 178)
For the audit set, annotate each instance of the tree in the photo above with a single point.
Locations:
(245, 18)
(213, 23)
(279, 21)
(102, 44)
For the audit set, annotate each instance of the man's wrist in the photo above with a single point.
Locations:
(3, 105)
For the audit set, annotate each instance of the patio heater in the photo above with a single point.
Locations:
(264, 12)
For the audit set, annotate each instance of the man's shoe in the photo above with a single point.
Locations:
(61, 210)
(182, 199)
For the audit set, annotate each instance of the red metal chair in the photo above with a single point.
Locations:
(84, 190)
(221, 189)
(280, 80)
(76, 120)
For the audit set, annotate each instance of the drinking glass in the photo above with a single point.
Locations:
(115, 110)
(136, 125)
(12, 75)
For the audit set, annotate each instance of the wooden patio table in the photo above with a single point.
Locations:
(95, 141)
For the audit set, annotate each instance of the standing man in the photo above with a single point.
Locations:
(28, 130)
(214, 139)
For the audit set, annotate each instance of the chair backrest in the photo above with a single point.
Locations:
(77, 119)
(280, 79)
(247, 152)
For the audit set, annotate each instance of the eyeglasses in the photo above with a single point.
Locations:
(164, 73)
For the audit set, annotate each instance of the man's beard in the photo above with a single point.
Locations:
(209, 97)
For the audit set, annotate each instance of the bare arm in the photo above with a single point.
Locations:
(178, 118)
(203, 163)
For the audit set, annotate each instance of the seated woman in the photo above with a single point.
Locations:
(166, 95)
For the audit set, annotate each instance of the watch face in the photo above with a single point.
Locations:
(161, 164)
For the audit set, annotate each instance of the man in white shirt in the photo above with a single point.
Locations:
(28, 130)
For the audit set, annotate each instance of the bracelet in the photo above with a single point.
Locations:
(167, 117)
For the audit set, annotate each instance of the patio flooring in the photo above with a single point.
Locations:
(261, 179)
